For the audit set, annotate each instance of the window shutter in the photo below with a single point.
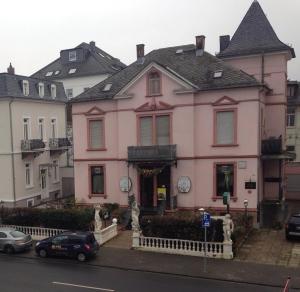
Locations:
(225, 127)
(146, 131)
(96, 134)
(163, 130)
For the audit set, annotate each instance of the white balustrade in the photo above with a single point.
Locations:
(39, 233)
(183, 247)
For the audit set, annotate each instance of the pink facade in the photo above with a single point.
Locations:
(192, 130)
(222, 137)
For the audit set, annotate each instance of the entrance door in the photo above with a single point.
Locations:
(147, 191)
(44, 183)
(164, 181)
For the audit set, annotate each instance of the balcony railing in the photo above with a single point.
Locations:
(152, 153)
(56, 143)
(32, 145)
(271, 146)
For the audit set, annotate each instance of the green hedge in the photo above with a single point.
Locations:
(73, 219)
(189, 229)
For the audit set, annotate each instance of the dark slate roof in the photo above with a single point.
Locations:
(254, 35)
(95, 62)
(198, 70)
(11, 86)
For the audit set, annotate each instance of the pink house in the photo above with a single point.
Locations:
(186, 127)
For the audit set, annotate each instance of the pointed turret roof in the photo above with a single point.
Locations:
(254, 35)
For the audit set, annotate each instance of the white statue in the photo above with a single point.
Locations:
(227, 227)
(135, 213)
(98, 222)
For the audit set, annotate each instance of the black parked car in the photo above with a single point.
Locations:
(292, 227)
(80, 245)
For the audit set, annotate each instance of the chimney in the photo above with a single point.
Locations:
(92, 45)
(11, 69)
(200, 45)
(224, 42)
(140, 51)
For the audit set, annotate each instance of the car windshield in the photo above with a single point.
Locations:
(17, 234)
(295, 220)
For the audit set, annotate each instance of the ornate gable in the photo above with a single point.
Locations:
(225, 100)
(154, 106)
(95, 111)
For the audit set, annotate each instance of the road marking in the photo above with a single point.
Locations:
(82, 286)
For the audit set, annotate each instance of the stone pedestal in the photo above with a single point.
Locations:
(98, 236)
(227, 250)
(135, 239)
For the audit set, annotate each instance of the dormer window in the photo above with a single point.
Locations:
(218, 74)
(72, 56)
(107, 87)
(154, 83)
(57, 72)
(41, 89)
(25, 85)
(72, 70)
(49, 73)
(53, 91)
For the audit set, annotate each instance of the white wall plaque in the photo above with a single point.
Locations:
(242, 164)
(184, 184)
(125, 184)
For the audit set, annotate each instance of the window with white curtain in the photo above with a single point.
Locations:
(146, 131)
(162, 130)
(41, 124)
(97, 179)
(159, 135)
(41, 89)
(25, 85)
(53, 128)
(28, 174)
(154, 83)
(96, 134)
(55, 171)
(225, 131)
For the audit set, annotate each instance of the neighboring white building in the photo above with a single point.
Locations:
(80, 68)
(33, 139)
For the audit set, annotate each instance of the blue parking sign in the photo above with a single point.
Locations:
(206, 220)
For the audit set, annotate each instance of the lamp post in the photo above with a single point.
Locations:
(246, 213)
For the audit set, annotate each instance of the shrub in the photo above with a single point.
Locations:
(189, 229)
(73, 219)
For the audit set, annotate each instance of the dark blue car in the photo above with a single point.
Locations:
(79, 245)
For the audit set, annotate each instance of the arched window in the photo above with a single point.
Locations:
(154, 83)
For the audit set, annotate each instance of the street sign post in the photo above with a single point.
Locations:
(205, 224)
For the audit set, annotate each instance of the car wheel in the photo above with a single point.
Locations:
(9, 249)
(42, 253)
(81, 257)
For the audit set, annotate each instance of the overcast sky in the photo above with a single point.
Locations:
(33, 31)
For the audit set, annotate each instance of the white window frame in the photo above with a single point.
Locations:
(67, 93)
(289, 117)
(53, 91)
(72, 56)
(30, 168)
(41, 179)
(25, 87)
(30, 201)
(56, 166)
(55, 128)
(41, 87)
(44, 128)
(28, 127)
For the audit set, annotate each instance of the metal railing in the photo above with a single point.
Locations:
(55, 143)
(32, 144)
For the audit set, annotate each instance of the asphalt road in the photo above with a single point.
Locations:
(64, 275)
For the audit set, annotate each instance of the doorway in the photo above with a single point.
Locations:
(149, 185)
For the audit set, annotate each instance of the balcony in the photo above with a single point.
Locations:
(32, 147)
(271, 146)
(59, 145)
(272, 149)
(155, 153)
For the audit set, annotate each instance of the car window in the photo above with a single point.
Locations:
(90, 238)
(3, 235)
(60, 239)
(295, 220)
(17, 233)
(75, 240)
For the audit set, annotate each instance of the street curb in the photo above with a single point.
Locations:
(167, 273)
